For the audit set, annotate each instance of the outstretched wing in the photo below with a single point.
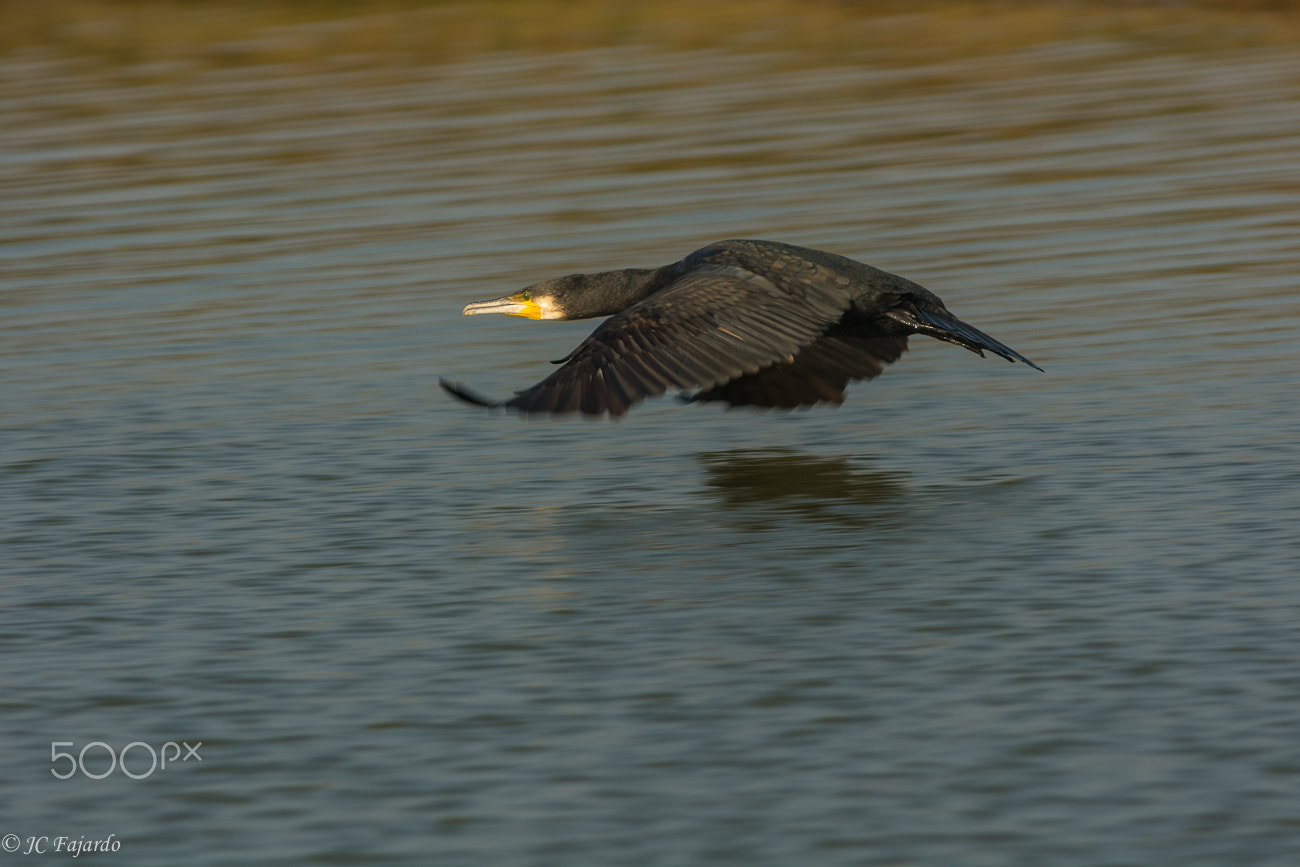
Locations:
(818, 374)
(713, 324)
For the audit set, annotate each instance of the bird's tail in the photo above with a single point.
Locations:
(942, 325)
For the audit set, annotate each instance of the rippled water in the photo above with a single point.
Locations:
(977, 615)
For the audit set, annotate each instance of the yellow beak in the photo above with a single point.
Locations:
(512, 305)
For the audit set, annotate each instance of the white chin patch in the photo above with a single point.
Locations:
(547, 309)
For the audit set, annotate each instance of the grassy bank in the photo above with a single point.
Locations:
(402, 32)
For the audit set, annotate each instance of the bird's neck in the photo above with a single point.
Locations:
(610, 292)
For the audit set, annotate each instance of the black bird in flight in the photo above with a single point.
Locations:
(751, 323)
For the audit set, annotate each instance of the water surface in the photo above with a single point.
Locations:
(977, 615)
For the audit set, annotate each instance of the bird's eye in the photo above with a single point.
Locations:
(527, 296)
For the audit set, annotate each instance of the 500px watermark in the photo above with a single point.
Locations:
(117, 759)
(12, 843)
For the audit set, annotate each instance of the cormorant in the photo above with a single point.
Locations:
(751, 323)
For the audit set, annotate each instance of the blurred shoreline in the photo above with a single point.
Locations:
(173, 36)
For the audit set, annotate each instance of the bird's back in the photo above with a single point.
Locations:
(816, 275)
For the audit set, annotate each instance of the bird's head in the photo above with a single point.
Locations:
(574, 296)
(538, 301)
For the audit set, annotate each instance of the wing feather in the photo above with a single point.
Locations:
(712, 325)
(818, 374)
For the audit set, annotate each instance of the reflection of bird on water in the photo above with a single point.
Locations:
(801, 483)
(752, 323)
